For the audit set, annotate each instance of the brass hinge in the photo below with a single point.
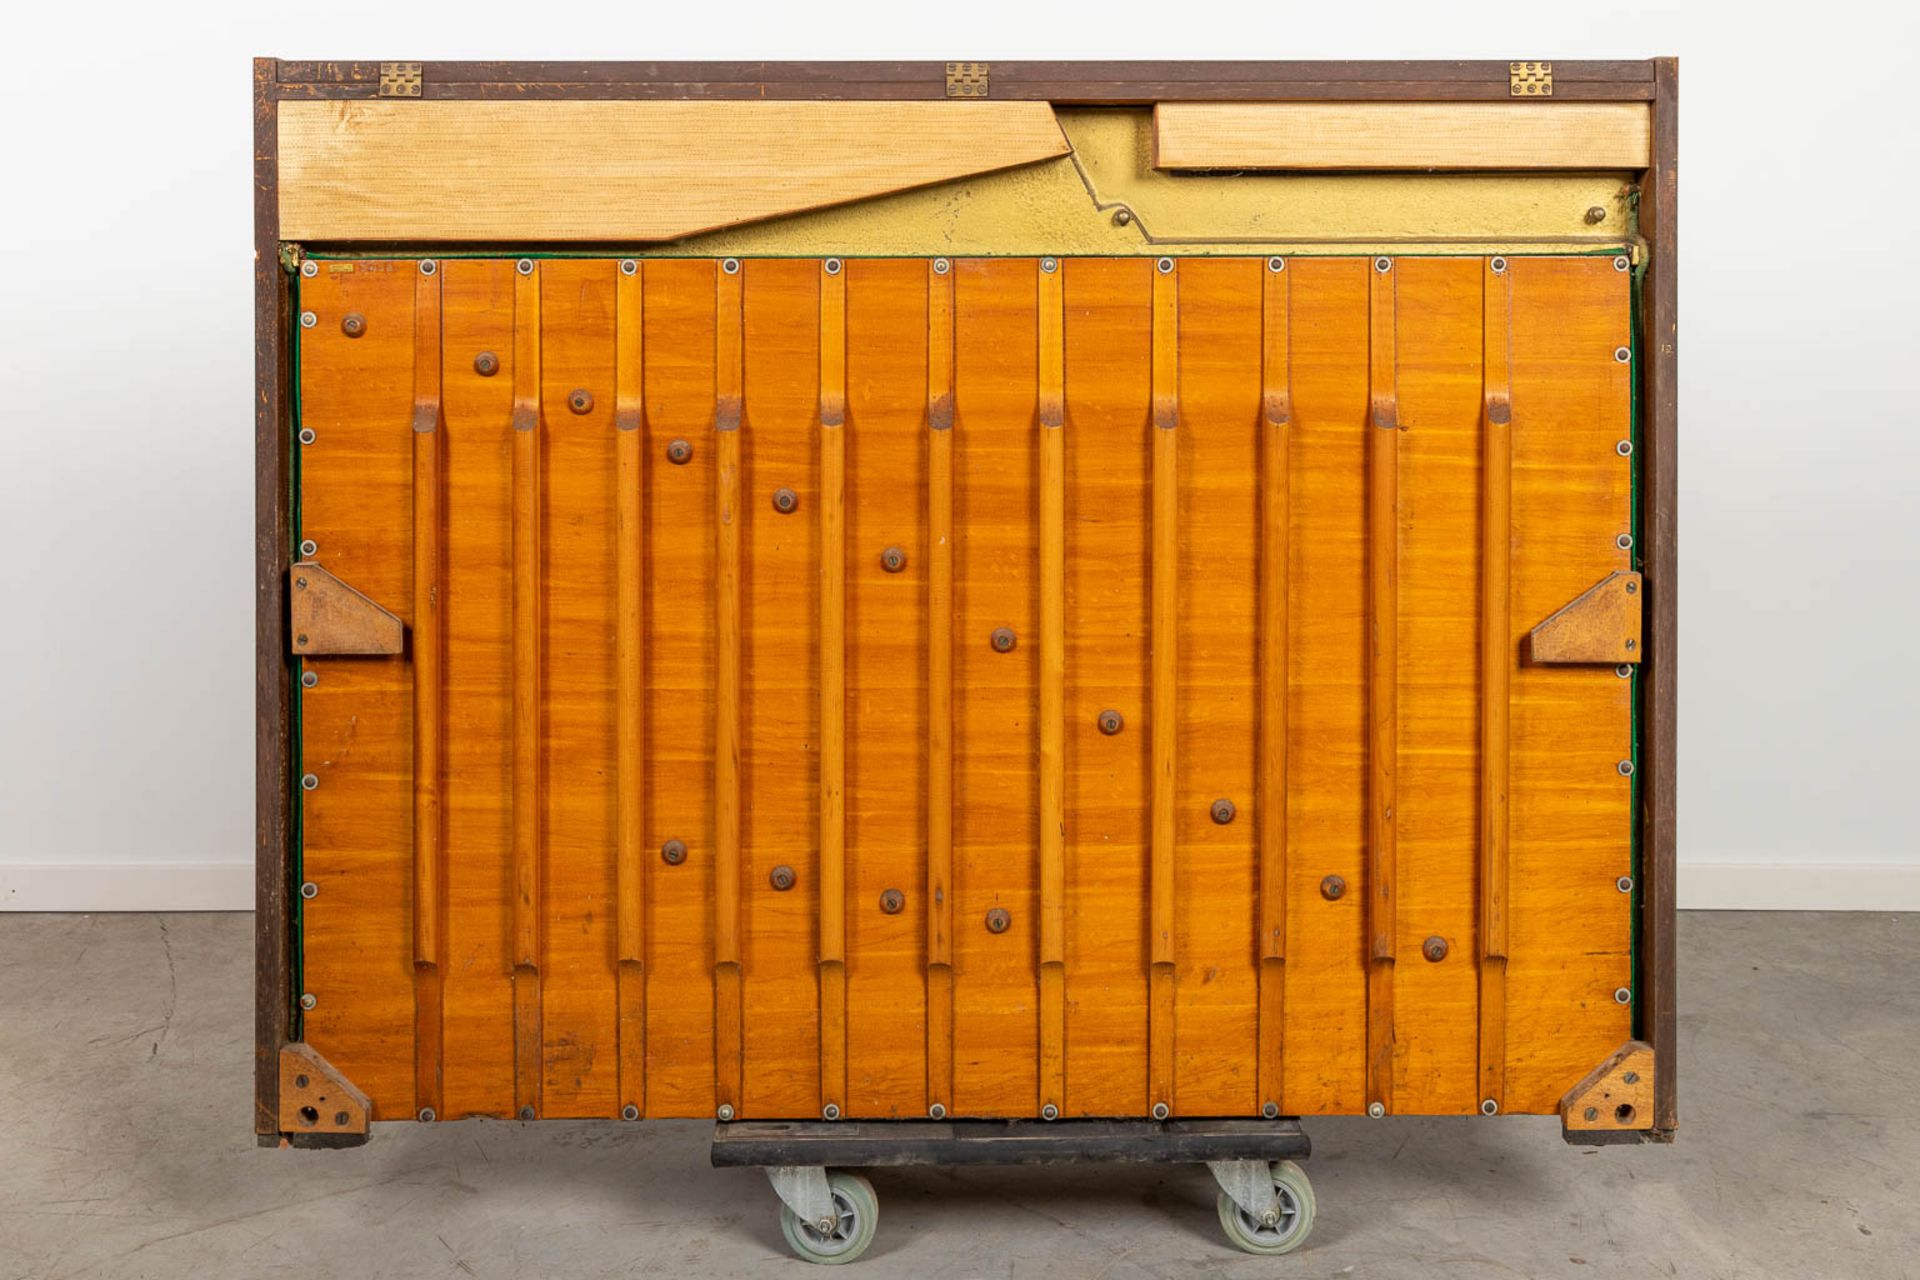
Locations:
(967, 79)
(1530, 79)
(402, 79)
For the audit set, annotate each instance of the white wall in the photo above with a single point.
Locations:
(126, 417)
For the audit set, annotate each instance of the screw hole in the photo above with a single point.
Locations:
(309, 1116)
(1624, 1113)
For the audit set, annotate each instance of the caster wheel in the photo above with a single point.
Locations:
(857, 1214)
(1296, 1215)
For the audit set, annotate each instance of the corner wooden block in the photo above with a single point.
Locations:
(1602, 626)
(1616, 1096)
(316, 1099)
(330, 617)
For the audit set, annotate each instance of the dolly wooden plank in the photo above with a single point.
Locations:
(1404, 136)
(533, 171)
(1013, 1142)
(1275, 584)
(940, 719)
(1109, 390)
(728, 422)
(529, 793)
(1383, 678)
(833, 683)
(1496, 665)
(1162, 719)
(630, 691)
(429, 689)
(1051, 324)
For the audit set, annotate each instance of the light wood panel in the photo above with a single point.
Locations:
(1401, 135)
(584, 170)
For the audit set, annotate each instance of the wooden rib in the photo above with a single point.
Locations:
(1275, 550)
(728, 420)
(1383, 621)
(527, 781)
(629, 421)
(1053, 686)
(1162, 676)
(1496, 657)
(940, 422)
(833, 687)
(1401, 135)
(429, 641)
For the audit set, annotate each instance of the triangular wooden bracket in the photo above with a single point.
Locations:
(316, 1100)
(1616, 1097)
(1602, 625)
(330, 617)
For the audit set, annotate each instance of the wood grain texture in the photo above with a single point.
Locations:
(1050, 321)
(940, 693)
(1163, 691)
(1383, 677)
(1402, 136)
(538, 171)
(429, 692)
(1496, 665)
(1601, 624)
(630, 786)
(1273, 631)
(831, 594)
(529, 791)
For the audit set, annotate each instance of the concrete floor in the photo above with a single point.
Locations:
(125, 1151)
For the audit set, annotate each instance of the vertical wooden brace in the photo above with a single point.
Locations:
(729, 414)
(1383, 623)
(528, 783)
(429, 645)
(1275, 551)
(833, 684)
(940, 429)
(1053, 682)
(1162, 677)
(629, 443)
(1496, 658)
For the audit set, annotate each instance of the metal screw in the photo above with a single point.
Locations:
(1624, 671)
(1624, 542)
(628, 266)
(1631, 1077)
(731, 266)
(309, 782)
(306, 435)
(309, 548)
(308, 679)
(940, 266)
(1499, 266)
(1488, 1107)
(309, 890)
(1270, 1110)
(581, 401)
(308, 319)
(309, 269)
(892, 900)
(1622, 996)
(785, 500)
(1333, 887)
(937, 1112)
(1049, 1112)
(301, 1082)
(526, 1113)
(725, 1111)
(1164, 266)
(1383, 265)
(1626, 768)
(1596, 215)
(673, 852)
(1592, 1113)
(1276, 264)
(830, 1112)
(308, 1001)
(1121, 217)
(1111, 723)
(1049, 265)
(998, 920)
(486, 364)
(1434, 949)
(629, 1112)
(1624, 884)
(353, 324)
(679, 452)
(1003, 640)
(893, 559)
(1624, 448)
(1376, 1109)
(1620, 263)
(1622, 354)
(1221, 811)
(1161, 1111)
(524, 266)
(426, 1113)
(781, 877)
(832, 266)
(428, 266)
(1633, 589)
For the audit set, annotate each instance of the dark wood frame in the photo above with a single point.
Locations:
(1085, 83)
